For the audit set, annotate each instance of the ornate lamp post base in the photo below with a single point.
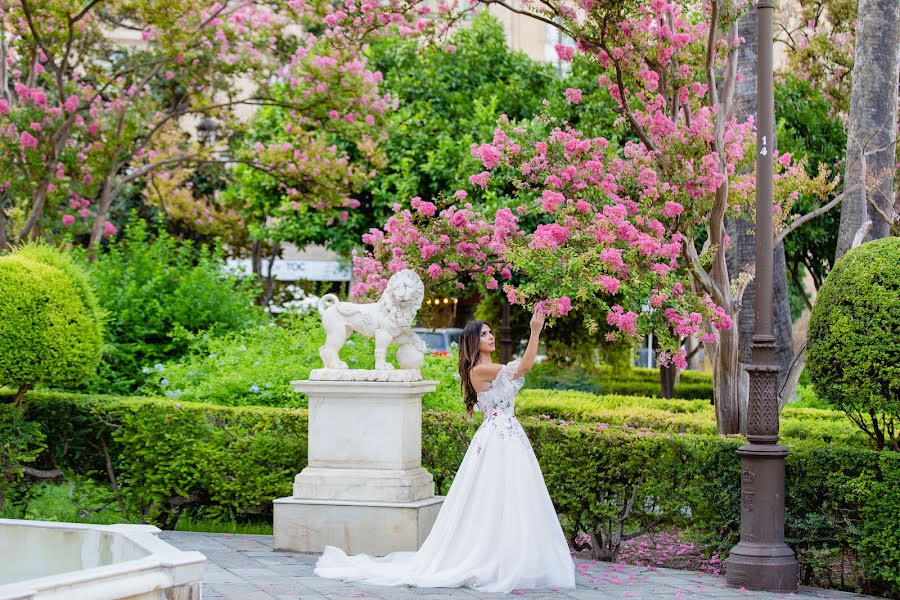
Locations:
(761, 560)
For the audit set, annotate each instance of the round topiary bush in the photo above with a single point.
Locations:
(853, 348)
(50, 320)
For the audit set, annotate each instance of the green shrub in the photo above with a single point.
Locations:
(256, 366)
(853, 349)
(50, 323)
(878, 546)
(81, 500)
(156, 293)
(201, 461)
(21, 442)
(628, 382)
(678, 416)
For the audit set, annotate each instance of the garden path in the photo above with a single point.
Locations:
(245, 567)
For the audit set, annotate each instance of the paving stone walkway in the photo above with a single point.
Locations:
(244, 567)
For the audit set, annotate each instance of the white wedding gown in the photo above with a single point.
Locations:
(497, 530)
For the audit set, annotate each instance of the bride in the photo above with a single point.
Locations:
(497, 530)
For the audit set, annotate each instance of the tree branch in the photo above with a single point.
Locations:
(812, 215)
(711, 54)
(699, 273)
(887, 218)
(532, 15)
(41, 473)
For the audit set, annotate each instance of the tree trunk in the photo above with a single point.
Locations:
(268, 282)
(729, 387)
(872, 126)
(666, 375)
(102, 210)
(4, 241)
(20, 395)
(38, 199)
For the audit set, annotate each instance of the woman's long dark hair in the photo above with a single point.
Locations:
(469, 354)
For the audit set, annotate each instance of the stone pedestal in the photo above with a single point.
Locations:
(364, 489)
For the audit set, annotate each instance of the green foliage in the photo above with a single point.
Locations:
(256, 366)
(806, 398)
(156, 293)
(878, 546)
(677, 416)
(80, 500)
(448, 101)
(622, 380)
(807, 129)
(50, 323)
(21, 442)
(853, 349)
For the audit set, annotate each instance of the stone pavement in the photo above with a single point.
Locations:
(244, 567)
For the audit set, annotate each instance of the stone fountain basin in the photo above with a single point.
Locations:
(42, 560)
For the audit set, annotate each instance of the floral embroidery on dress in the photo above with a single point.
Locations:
(497, 404)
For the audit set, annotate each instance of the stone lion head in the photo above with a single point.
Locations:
(403, 296)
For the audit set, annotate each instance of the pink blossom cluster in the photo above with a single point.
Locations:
(454, 247)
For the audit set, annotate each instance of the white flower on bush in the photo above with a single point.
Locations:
(159, 367)
(163, 382)
(302, 303)
(254, 389)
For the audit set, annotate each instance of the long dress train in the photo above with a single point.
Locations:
(497, 530)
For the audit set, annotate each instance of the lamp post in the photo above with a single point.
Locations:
(761, 560)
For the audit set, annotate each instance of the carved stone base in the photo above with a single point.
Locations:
(363, 485)
(395, 375)
(375, 528)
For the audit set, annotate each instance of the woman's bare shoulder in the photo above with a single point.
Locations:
(483, 375)
(486, 370)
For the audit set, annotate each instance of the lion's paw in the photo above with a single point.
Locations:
(384, 366)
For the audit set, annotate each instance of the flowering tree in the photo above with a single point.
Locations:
(643, 223)
(321, 148)
(820, 38)
(82, 115)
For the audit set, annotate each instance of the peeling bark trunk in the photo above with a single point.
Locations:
(730, 394)
(872, 122)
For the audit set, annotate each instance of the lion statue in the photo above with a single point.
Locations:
(388, 321)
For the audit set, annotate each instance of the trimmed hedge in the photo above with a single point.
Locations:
(208, 461)
(173, 458)
(678, 416)
(853, 352)
(626, 382)
(50, 322)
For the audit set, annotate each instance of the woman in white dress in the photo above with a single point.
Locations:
(497, 530)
